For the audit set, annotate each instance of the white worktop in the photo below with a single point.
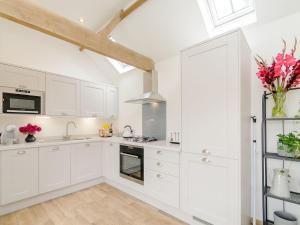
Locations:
(164, 145)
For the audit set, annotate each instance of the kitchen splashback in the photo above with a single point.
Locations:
(154, 120)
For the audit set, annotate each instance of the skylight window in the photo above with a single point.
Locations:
(223, 15)
(119, 66)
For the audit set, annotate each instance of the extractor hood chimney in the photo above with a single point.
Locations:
(151, 94)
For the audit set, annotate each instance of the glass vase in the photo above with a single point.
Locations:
(279, 104)
(30, 138)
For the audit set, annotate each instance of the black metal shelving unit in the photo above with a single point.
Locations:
(295, 197)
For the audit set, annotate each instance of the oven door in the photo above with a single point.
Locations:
(132, 163)
(21, 104)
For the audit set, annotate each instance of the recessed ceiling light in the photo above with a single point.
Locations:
(81, 20)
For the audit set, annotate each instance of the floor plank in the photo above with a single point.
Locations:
(99, 205)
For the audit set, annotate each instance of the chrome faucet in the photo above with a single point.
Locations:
(68, 137)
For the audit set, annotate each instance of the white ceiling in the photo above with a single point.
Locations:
(95, 12)
(159, 28)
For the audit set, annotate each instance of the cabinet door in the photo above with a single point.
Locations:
(18, 174)
(111, 161)
(92, 99)
(210, 98)
(162, 187)
(16, 77)
(62, 96)
(111, 102)
(209, 188)
(54, 168)
(85, 162)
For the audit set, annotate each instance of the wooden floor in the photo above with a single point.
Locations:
(99, 205)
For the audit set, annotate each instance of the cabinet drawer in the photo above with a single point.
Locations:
(162, 187)
(163, 155)
(162, 166)
(18, 175)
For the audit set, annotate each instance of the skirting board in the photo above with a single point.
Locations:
(47, 196)
(258, 222)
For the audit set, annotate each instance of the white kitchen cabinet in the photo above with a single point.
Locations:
(111, 102)
(111, 161)
(216, 82)
(18, 174)
(85, 162)
(93, 99)
(162, 187)
(209, 188)
(211, 110)
(162, 175)
(17, 77)
(62, 96)
(54, 167)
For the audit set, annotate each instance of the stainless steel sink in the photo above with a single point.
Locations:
(64, 139)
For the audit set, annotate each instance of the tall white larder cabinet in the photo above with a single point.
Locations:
(215, 162)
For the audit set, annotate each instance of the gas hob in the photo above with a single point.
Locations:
(141, 139)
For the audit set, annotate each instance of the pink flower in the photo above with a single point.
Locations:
(30, 129)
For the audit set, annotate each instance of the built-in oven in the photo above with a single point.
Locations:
(132, 163)
(20, 101)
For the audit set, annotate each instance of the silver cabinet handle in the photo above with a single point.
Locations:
(111, 144)
(158, 152)
(133, 156)
(158, 164)
(55, 148)
(158, 175)
(205, 151)
(21, 152)
(64, 114)
(206, 160)
(87, 145)
(22, 86)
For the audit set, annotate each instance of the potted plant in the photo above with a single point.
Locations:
(30, 130)
(280, 77)
(289, 145)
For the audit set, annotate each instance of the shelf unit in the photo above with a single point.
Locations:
(295, 197)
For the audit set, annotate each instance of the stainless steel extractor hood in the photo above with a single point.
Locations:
(151, 94)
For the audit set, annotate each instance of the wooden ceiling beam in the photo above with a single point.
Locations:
(106, 31)
(30, 15)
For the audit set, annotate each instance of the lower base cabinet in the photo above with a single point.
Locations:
(54, 167)
(209, 189)
(18, 174)
(111, 161)
(85, 162)
(162, 187)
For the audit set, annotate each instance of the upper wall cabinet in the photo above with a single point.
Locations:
(92, 99)
(16, 77)
(62, 96)
(111, 102)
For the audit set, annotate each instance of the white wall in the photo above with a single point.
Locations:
(25, 47)
(53, 126)
(131, 85)
(265, 40)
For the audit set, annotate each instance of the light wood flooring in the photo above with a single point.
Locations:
(99, 205)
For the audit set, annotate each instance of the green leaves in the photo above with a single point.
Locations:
(292, 141)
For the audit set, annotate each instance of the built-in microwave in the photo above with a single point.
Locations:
(21, 101)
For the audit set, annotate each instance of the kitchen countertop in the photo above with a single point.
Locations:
(53, 141)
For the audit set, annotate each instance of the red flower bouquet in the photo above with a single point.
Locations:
(280, 77)
(31, 130)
